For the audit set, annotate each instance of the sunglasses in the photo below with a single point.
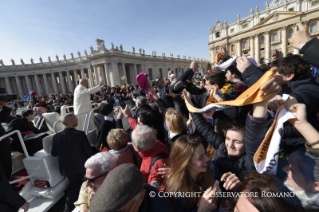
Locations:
(91, 180)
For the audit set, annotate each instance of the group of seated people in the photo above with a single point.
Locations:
(175, 158)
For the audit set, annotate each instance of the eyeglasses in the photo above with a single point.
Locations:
(91, 180)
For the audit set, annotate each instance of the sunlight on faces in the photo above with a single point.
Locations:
(235, 142)
(295, 176)
(208, 86)
(229, 77)
(243, 204)
(198, 162)
(92, 173)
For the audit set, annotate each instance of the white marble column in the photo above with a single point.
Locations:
(96, 75)
(75, 78)
(19, 87)
(284, 40)
(124, 74)
(29, 86)
(135, 71)
(71, 89)
(82, 73)
(239, 47)
(8, 85)
(101, 73)
(36, 79)
(257, 48)
(46, 84)
(267, 49)
(91, 80)
(107, 75)
(62, 84)
(251, 45)
(116, 76)
(54, 83)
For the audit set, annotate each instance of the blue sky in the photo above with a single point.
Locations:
(35, 28)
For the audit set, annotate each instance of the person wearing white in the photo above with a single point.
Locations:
(82, 101)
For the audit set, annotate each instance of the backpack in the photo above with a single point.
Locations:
(157, 157)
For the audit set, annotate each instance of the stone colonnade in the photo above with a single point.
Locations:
(57, 81)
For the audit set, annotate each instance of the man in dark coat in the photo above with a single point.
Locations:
(5, 150)
(107, 123)
(10, 200)
(73, 149)
(13, 115)
(44, 127)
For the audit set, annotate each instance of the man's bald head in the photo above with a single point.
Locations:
(42, 110)
(70, 120)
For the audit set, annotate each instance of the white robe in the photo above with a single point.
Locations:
(82, 103)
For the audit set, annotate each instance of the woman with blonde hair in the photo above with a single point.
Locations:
(176, 125)
(189, 172)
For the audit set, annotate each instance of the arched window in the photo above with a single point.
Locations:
(245, 44)
(275, 36)
(290, 33)
(314, 27)
(262, 40)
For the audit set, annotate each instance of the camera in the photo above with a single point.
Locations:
(7, 97)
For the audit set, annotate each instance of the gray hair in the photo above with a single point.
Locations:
(83, 79)
(141, 100)
(103, 160)
(144, 137)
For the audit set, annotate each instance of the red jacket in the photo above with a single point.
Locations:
(153, 178)
(133, 122)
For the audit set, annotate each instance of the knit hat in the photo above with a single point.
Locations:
(105, 109)
(121, 185)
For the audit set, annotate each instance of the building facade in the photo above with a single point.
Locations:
(264, 31)
(115, 66)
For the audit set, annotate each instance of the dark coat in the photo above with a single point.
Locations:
(158, 124)
(10, 200)
(73, 149)
(254, 134)
(44, 127)
(98, 119)
(10, 118)
(23, 125)
(306, 91)
(104, 130)
(5, 153)
(156, 203)
(310, 52)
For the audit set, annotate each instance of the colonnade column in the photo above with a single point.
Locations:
(107, 76)
(69, 81)
(284, 40)
(8, 85)
(36, 79)
(267, 49)
(257, 53)
(239, 47)
(251, 46)
(61, 80)
(19, 87)
(135, 71)
(75, 79)
(82, 73)
(124, 72)
(96, 75)
(27, 79)
(91, 81)
(54, 83)
(116, 76)
(46, 84)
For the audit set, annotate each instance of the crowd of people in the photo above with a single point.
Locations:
(173, 157)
